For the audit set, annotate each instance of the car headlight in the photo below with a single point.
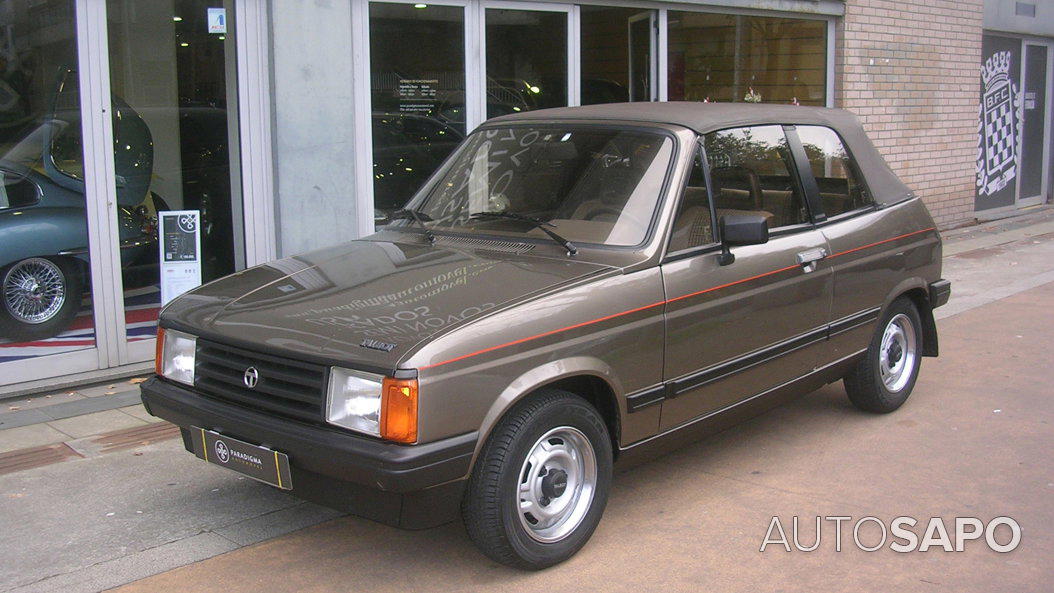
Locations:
(372, 404)
(175, 355)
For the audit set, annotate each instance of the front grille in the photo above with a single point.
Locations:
(285, 387)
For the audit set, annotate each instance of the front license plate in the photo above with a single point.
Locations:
(259, 463)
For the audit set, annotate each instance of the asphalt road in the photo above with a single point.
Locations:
(973, 441)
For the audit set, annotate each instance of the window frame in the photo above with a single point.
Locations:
(700, 152)
(806, 169)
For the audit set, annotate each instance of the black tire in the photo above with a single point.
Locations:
(865, 385)
(12, 326)
(490, 508)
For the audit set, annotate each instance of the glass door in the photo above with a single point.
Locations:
(527, 56)
(619, 54)
(47, 295)
(418, 107)
(1035, 131)
(643, 57)
(173, 98)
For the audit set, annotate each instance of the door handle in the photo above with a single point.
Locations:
(808, 260)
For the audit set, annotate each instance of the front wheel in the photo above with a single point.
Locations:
(883, 379)
(541, 482)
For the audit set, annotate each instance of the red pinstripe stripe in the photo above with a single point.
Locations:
(660, 303)
(855, 249)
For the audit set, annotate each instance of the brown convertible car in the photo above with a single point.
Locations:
(573, 287)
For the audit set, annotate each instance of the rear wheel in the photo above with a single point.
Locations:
(883, 379)
(40, 296)
(541, 482)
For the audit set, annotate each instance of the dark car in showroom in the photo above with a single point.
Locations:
(575, 287)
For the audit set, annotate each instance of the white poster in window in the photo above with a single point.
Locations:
(180, 252)
(217, 20)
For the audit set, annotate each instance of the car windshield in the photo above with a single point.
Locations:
(589, 184)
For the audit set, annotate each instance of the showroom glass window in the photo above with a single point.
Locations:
(724, 57)
(526, 60)
(417, 95)
(47, 305)
(174, 102)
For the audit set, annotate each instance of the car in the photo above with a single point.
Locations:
(575, 287)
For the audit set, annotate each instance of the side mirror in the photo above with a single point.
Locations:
(741, 229)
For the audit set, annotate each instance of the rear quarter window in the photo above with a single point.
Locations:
(837, 174)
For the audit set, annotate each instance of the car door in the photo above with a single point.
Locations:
(734, 331)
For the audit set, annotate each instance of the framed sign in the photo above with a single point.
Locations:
(180, 252)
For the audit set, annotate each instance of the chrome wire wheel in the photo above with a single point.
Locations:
(34, 290)
(557, 483)
(898, 353)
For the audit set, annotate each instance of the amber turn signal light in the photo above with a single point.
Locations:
(159, 350)
(399, 410)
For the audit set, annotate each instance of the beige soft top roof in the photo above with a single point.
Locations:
(708, 117)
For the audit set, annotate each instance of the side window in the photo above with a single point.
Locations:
(17, 191)
(750, 170)
(693, 225)
(836, 174)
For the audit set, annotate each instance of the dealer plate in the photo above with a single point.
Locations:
(260, 463)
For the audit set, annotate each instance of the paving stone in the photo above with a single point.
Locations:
(30, 436)
(95, 423)
(138, 411)
(92, 404)
(106, 388)
(22, 418)
(38, 401)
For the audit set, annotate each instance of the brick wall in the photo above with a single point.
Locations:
(909, 70)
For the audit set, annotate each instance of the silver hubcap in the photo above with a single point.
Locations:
(557, 482)
(34, 290)
(897, 356)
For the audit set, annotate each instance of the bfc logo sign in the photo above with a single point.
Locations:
(998, 126)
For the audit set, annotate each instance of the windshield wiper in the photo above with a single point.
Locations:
(545, 227)
(419, 218)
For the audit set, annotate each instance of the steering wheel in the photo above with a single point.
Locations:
(739, 171)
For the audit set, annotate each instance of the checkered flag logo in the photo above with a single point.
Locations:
(998, 125)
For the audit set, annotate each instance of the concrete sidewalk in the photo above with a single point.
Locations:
(153, 507)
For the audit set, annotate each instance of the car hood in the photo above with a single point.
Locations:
(368, 302)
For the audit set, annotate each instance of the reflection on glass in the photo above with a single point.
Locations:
(722, 57)
(45, 295)
(418, 96)
(618, 57)
(173, 140)
(526, 60)
(588, 184)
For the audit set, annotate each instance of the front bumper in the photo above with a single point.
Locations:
(412, 486)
